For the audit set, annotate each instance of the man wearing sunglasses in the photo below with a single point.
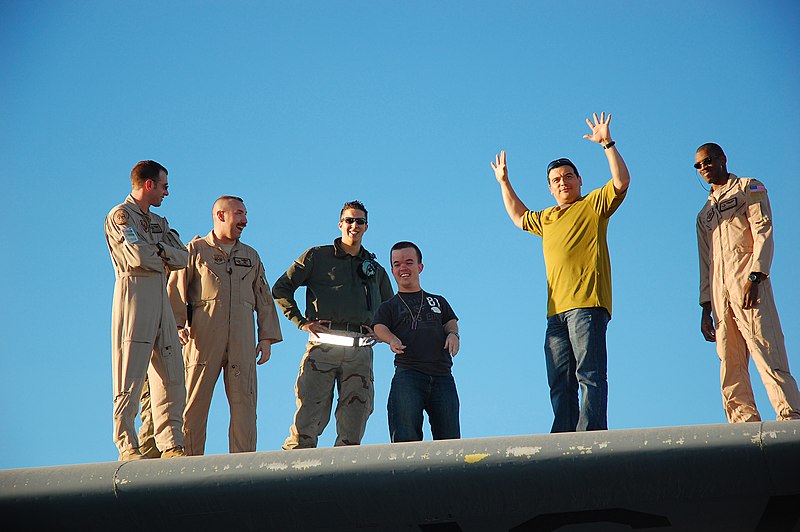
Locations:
(734, 238)
(345, 285)
(145, 344)
(578, 271)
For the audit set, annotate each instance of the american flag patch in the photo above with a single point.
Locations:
(757, 188)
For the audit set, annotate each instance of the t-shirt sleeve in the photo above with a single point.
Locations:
(384, 314)
(532, 222)
(447, 312)
(605, 200)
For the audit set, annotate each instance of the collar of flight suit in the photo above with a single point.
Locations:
(733, 180)
(211, 240)
(340, 253)
(135, 206)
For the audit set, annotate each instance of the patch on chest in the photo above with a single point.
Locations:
(710, 215)
(727, 204)
(218, 258)
(155, 228)
(145, 225)
(243, 261)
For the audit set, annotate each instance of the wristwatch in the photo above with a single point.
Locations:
(161, 253)
(755, 277)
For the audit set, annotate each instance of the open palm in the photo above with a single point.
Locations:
(599, 127)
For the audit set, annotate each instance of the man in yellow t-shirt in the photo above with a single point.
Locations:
(578, 279)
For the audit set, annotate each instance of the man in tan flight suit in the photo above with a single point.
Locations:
(144, 336)
(345, 285)
(214, 299)
(734, 237)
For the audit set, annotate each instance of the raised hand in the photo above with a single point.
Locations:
(499, 167)
(600, 133)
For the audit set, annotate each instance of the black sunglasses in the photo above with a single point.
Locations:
(358, 221)
(705, 162)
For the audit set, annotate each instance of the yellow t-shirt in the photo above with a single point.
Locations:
(575, 250)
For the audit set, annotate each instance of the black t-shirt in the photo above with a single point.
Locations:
(424, 338)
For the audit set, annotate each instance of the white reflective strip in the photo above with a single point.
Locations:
(324, 338)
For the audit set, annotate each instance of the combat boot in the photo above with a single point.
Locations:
(130, 454)
(174, 452)
(148, 449)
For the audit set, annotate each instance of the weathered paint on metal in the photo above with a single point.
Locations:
(709, 477)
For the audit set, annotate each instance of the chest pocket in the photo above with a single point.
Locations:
(210, 281)
(245, 272)
(740, 239)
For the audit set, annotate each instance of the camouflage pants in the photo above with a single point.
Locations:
(322, 367)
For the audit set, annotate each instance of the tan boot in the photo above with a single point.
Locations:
(174, 452)
(130, 454)
(148, 449)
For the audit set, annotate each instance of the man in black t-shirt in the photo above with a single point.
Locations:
(422, 330)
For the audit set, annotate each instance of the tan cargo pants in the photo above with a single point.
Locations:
(322, 367)
(239, 375)
(145, 342)
(742, 333)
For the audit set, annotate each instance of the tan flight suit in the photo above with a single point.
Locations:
(734, 236)
(336, 293)
(144, 336)
(216, 295)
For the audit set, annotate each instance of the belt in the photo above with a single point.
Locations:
(342, 333)
(344, 326)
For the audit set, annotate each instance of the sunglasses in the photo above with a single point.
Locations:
(705, 162)
(358, 221)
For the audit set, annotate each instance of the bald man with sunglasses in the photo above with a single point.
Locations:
(734, 239)
(578, 279)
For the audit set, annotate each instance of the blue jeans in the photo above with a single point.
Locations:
(411, 393)
(575, 353)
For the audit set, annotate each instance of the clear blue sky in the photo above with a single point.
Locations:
(300, 106)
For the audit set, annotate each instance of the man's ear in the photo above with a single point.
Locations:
(421, 267)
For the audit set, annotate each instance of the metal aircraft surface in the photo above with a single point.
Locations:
(742, 477)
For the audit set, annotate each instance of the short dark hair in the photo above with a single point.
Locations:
(562, 161)
(712, 149)
(355, 204)
(224, 198)
(237, 198)
(404, 245)
(145, 170)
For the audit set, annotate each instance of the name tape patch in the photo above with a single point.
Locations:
(727, 204)
(130, 235)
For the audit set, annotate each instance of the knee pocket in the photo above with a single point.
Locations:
(241, 384)
(173, 364)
